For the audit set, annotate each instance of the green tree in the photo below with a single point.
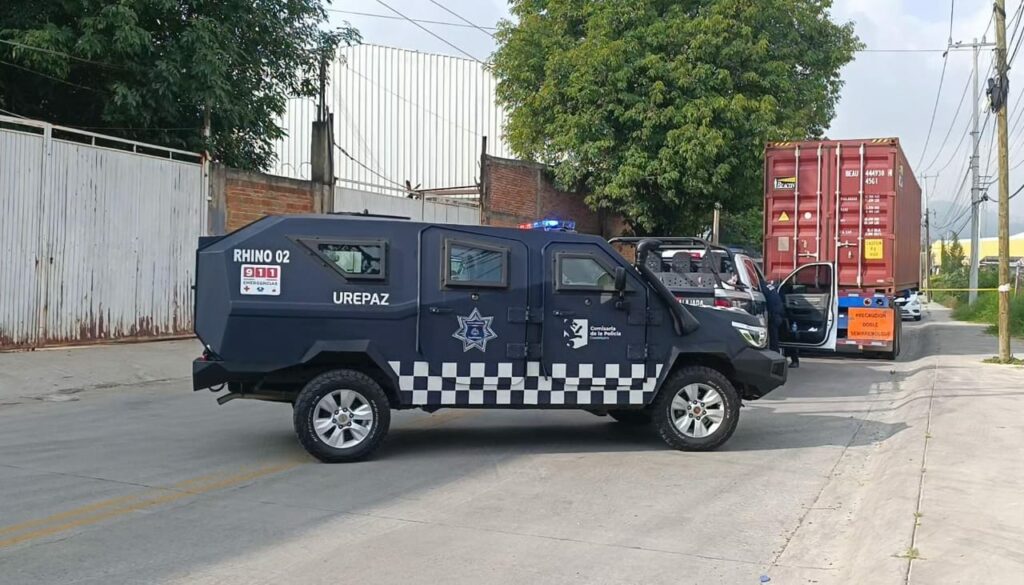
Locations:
(660, 108)
(955, 256)
(150, 69)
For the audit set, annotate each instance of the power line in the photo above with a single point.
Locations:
(57, 79)
(428, 31)
(380, 176)
(938, 94)
(459, 16)
(419, 20)
(10, 113)
(959, 106)
(58, 53)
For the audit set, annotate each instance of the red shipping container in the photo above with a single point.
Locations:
(853, 202)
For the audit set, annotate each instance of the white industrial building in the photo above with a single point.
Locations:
(402, 116)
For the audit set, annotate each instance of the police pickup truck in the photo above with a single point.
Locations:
(347, 317)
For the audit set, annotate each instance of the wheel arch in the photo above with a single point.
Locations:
(358, 355)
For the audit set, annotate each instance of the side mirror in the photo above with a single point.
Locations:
(620, 278)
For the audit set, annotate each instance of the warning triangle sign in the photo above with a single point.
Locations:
(783, 216)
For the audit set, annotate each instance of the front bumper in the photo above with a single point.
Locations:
(759, 371)
(906, 312)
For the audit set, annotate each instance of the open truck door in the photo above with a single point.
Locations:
(811, 301)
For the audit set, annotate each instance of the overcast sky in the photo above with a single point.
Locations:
(886, 93)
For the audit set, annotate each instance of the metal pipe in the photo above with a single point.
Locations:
(796, 206)
(860, 221)
(839, 202)
(817, 212)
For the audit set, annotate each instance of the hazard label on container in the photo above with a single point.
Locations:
(783, 216)
(870, 324)
(874, 249)
(261, 279)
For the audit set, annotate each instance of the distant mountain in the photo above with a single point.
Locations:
(952, 219)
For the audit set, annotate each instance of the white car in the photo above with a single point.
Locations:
(910, 306)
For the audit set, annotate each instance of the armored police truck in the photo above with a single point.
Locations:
(347, 317)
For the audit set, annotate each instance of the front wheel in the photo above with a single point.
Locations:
(341, 416)
(697, 409)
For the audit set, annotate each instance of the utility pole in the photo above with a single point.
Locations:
(975, 46)
(926, 281)
(714, 223)
(998, 90)
(972, 295)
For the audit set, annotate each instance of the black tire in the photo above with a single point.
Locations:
(917, 318)
(306, 407)
(663, 417)
(631, 417)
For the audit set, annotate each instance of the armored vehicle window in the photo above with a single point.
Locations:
(471, 264)
(583, 272)
(354, 260)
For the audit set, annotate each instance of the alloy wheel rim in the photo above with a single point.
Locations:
(697, 410)
(343, 418)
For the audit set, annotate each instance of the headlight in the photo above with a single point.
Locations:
(755, 335)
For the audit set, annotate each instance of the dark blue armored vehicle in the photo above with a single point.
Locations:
(348, 317)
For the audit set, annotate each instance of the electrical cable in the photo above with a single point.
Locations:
(956, 115)
(419, 20)
(460, 17)
(353, 159)
(57, 79)
(58, 53)
(428, 31)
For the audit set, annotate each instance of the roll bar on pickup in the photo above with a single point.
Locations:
(682, 318)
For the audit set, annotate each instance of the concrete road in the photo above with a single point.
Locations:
(857, 471)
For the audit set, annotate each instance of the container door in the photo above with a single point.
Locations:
(472, 321)
(811, 302)
(864, 201)
(796, 180)
(594, 339)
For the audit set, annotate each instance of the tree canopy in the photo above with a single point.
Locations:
(660, 108)
(149, 69)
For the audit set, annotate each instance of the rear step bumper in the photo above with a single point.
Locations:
(211, 373)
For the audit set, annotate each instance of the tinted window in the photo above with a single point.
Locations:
(755, 276)
(469, 264)
(810, 280)
(356, 260)
(582, 272)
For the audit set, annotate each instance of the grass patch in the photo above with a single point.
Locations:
(995, 360)
(986, 309)
(911, 553)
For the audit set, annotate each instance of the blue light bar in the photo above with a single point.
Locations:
(549, 225)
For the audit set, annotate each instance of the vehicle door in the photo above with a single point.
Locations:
(594, 337)
(751, 279)
(472, 320)
(810, 298)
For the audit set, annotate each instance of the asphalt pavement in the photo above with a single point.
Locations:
(113, 471)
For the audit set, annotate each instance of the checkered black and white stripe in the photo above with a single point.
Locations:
(501, 384)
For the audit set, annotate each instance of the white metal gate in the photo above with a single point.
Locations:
(98, 235)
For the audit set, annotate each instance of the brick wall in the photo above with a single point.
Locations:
(242, 197)
(517, 191)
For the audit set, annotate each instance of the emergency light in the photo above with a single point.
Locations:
(550, 225)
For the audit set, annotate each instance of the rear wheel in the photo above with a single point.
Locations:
(341, 416)
(697, 409)
(631, 417)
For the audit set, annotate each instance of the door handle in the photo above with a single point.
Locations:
(439, 310)
(558, 313)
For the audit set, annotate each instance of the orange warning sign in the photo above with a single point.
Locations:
(870, 324)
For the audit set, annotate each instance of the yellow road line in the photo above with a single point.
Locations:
(114, 507)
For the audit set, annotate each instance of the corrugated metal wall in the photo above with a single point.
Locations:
(403, 115)
(98, 241)
(357, 201)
